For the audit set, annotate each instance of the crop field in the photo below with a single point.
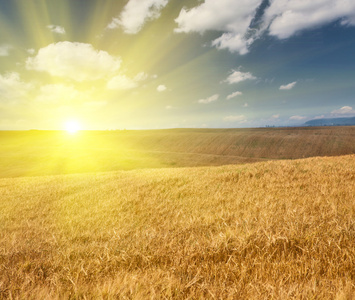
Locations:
(29, 153)
(267, 230)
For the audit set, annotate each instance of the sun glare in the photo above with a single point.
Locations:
(72, 126)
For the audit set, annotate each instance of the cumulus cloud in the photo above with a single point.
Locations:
(235, 94)
(136, 13)
(12, 88)
(209, 99)
(244, 21)
(229, 16)
(284, 18)
(237, 76)
(77, 61)
(298, 118)
(5, 50)
(288, 86)
(161, 88)
(235, 118)
(56, 29)
(345, 110)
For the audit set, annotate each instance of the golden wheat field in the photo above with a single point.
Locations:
(268, 230)
(33, 153)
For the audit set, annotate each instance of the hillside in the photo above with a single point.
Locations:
(331, 122)
(269, 230)
(27, 153)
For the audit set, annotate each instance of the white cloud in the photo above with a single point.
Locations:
(238, 76)
(161, 88)
(235, 94)
(56, 29)
(282, 18)
(169, 107)
(121, 82)
(77, 61)
(5, 50)
(237, 118)
(298, 118)
(141, 76)
(288, 86)
(229, 16)
(245, 105)
(136, 13)
(12, 88)
(285, 18)
(275, 116)
(209, 99)
(345, 110)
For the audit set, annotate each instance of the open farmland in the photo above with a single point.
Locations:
(28, 153)
(269, 230)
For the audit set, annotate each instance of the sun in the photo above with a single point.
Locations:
(72, 126)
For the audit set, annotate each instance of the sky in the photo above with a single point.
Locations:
(150, 64)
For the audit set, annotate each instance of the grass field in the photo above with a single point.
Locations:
(268, 230)
(28, 153)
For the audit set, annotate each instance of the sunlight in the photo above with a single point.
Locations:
(72, 126)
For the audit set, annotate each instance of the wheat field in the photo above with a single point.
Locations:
(34, 153)
(268, 230)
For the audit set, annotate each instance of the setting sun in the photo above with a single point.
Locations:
(72, 126)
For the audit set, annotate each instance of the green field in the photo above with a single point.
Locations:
(281, 229)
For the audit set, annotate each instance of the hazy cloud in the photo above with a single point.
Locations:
(77, 61)
(245, 105)
(141, 76)
(298, 118)
(31, 51)
(237, 118)
(345, 110)
(209, 99)
(56, 29)
(59, 94)
(121, 82)
(235, 94)
(161, 88)
(136, 13)
(237, 76)
(12, 88)
(288, 86)
(5, 50)
(275, 116)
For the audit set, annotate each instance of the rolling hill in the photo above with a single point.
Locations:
(269, 230)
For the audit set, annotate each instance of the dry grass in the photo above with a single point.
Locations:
(271, 230)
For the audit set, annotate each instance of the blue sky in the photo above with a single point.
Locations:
(168, 63)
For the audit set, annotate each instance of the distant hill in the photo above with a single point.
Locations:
(28, 153)
(331, 122)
